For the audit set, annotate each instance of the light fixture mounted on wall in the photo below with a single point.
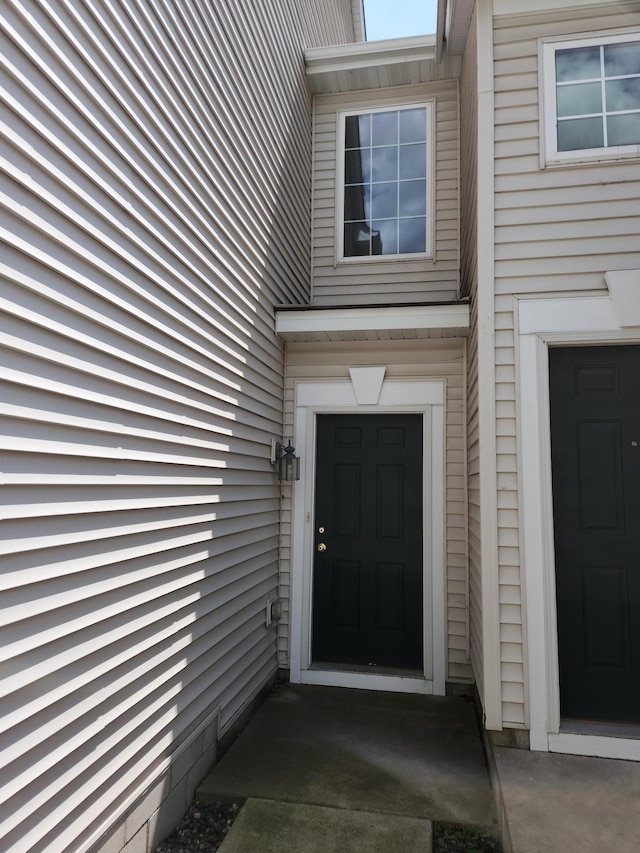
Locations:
(288, 464)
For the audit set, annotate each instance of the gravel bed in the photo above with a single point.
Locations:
(457, 838)
(202, 829)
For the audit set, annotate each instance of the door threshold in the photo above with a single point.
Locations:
(595, 745)
(600, 729)
(400, 672)
(366, 680)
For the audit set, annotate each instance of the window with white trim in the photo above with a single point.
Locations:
(592, 98)
(385, 178)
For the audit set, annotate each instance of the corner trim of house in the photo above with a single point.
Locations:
(581, 319)
(491, 646)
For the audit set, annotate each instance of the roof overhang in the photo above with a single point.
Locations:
(374, 65)
(386, 322)
(454, 17)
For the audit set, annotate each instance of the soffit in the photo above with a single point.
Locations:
(372, 323)
(376, 65)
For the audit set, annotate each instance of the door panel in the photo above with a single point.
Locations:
(595, 433)
(367, 587)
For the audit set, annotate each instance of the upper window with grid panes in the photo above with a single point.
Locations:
(385, 178)
(592, 98)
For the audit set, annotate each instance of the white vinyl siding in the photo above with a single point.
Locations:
(394, 280)
(557, 231)
(323, 25)
(155, 185)
(442, 358)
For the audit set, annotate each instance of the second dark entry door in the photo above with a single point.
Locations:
(595, 445)
(367, 587)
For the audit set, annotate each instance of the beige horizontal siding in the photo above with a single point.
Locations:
(384, 282)
(557, 230)
(407, 359)
(154, 172)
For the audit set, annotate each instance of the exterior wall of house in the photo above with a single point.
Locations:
(155, 184)
(386, 281)
(469, 288)
(322, 24)
(439, 358)
(558, 230)
(515, 7)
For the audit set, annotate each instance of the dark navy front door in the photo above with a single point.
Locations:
(367, 585)
(595, 443)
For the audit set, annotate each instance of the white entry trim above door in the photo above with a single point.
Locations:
(396, 395)
(586, 320)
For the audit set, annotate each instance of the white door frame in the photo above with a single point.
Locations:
(580, 320)
(395, 395)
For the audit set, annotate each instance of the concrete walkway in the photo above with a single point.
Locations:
(567, 803)
(327, 769)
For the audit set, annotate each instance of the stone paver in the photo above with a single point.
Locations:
(265, 826)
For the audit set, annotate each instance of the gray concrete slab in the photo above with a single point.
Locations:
(558, 803)
(266, 826)
(394, 754)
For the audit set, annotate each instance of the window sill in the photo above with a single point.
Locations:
(592, 157)
(376, 259)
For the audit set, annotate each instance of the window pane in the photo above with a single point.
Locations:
(579, 133)
(384, 128)
(581, 63)
(357, 239)
(357, 202)
(622, 59)
(581, 99)
(413, 198)
(357, 167)
(413, 125)
(624, 130)
(387, 237)
(384, 164)
(413, 161)
(357, 131)
(623, 94)
(384, 200)
(385, 182)
(413, 235)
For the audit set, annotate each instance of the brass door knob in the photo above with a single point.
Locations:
(322, 547)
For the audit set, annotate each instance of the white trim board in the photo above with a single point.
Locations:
(585, 320)
(331, 397)
(373, 319)
(490, 678)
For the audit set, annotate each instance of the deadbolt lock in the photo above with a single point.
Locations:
(321, 530)
(322, 547)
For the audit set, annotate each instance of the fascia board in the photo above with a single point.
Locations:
(373, 319)
(349, 57)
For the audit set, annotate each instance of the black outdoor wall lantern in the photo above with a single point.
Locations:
(288, 463)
